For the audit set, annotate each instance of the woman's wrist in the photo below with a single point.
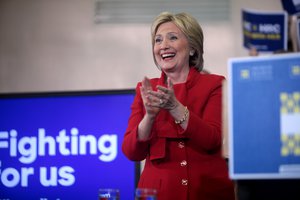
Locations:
(149, 117)
(184, 116)
(180, 114)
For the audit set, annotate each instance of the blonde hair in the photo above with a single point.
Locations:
(190, 28)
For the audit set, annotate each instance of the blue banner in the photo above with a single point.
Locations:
(62, 147)
(291, 6)
(264, 116)
(265, 31)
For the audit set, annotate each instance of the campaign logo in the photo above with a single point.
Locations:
(290, 124)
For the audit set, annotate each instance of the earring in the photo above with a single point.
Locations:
(192, 52)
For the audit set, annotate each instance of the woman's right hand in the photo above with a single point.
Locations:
(148, 100)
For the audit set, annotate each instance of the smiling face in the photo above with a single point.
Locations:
(171, 48)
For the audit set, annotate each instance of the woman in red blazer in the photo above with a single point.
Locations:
(175, 123)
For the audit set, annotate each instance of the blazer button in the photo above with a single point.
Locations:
(183, 163)
(181, 145)
(184, 181)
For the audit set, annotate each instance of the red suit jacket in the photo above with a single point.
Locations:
(183, 164)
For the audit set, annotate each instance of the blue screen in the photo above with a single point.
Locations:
(64, 146)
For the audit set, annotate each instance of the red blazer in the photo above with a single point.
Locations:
(183, 164)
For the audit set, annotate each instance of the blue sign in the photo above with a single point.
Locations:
(64, 146)
(265, 31)
(264, 117)
(291, 6)
(298, 32)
